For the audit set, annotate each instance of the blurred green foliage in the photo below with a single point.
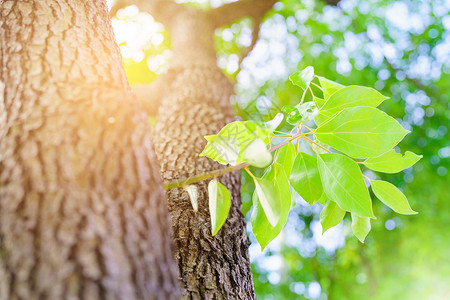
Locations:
(402, 48)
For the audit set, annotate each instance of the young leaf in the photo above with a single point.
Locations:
(193, 195)
(391, 196)
(303, 78)
(360, 227)
(307, 111)
(343, 183)
(227, 147)
(275, 122)
(262, 131)
(331, 215)
(392, 162)
(305, 178)
(292, 114)
(328, 87)
(256, 154)
(219, 204)
(351, 96)
(269, 198)
(263, 230)
(361, 132)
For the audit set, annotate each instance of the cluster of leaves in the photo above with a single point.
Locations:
(350, 133)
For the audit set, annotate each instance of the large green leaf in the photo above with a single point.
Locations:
(219, 204)
(285, 157)
(360, 227)
(392, 162)
(305, 178)
(361, 132)
(343, 183)
(303, 78)
(269, 198)
(331, 215)
(263, 230)
(390, 195)
(328, 87)
(351, 96)
(256, 154)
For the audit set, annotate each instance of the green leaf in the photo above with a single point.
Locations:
(292, 114)
(269, 198)
(259, 130)
(328, 87)
(193, 195)
(331, 215)
(323, 199)
(351, 96)
(305, 178)
(361, 132)
(391, 196)
(303, 78)
(343, 183)
(227, 147)
(256, 154)
(360, 227)
(392, 162)
(285, 157)
(219, 204)
(319, 101)
(223, 149)
(263, 230)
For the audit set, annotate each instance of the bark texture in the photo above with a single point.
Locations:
(198, 104)
(82, 211)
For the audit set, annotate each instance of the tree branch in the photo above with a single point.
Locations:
(164, 11)
(231, 12)
(255, 35)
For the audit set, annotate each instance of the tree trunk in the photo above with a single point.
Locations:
(82, 211)
(197, 104)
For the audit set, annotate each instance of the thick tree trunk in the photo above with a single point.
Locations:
(82, 211)
(198, 104)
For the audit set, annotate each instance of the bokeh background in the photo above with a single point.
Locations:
(401, 48)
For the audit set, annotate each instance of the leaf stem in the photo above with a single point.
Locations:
(318, 86)
(303, 97)
(275, 156)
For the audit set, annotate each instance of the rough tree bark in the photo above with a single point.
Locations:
(82, 210)
(195, 103)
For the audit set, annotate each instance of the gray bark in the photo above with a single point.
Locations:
(82, 211)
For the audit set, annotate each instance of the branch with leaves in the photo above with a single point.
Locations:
(350, 133)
